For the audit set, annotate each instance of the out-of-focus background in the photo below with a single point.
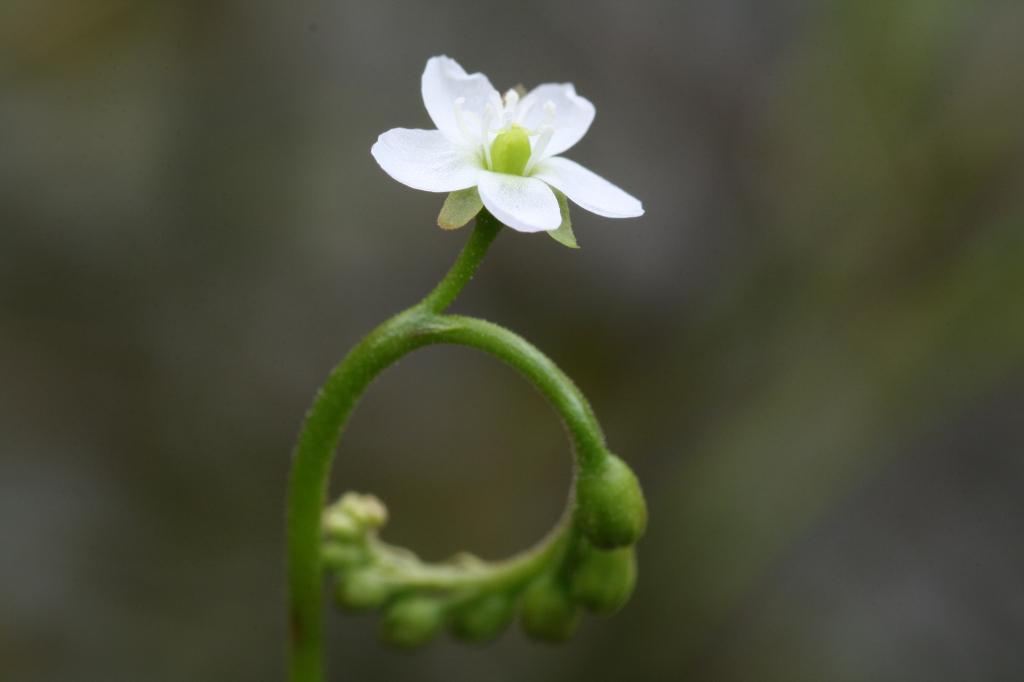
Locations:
(811, 347)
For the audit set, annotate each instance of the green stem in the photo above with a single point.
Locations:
(461, 272)
(489, 575)
(414, 328)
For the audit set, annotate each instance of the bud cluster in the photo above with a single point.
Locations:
(589, 564)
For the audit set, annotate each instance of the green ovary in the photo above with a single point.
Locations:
(510, 151)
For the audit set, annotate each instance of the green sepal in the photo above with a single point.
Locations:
(412, 621)
(602, 580)
(564, 234)
(459, 208)
(611, 509)
(483, 618)
(548, 612)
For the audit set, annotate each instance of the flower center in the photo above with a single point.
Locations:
(510, 151)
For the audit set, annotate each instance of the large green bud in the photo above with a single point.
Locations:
(603, 580)
(611, 510)
(483, 618)
(548, 612)
(412, 621)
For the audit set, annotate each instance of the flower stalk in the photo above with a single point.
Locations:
(585, 561)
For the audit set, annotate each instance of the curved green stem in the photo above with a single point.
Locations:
(421, 325)
(489, 575)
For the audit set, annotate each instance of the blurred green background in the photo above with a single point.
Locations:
(811, 348)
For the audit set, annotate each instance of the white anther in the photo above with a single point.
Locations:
(508, 111)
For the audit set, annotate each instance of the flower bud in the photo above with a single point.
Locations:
(412, 621)
(362, 590)
(610, 505)
(548, 613)
(604, 580)
(483, 618)
(340, 526)
(367, 510)
(343, 555)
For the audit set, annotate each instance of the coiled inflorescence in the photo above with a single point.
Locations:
(589, 561)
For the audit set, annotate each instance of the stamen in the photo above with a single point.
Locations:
(485, 129)
(539, 147)
(549, 112)
(549, 108)
(460, 121)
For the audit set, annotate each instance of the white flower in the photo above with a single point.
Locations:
(505, 147)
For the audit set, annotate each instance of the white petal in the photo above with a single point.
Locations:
(524, 204)
(572, 115)
(443, 82)
(588, 189)
(425, 159)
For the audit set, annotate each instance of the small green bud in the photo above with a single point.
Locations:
(466, 560)
(548, 613)
(604, 580)
(362, 590)
(340, 526)
(483, 618)
(338, 555)
(412, 621)
(366, 510)
(611, 509)
(510, 151)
